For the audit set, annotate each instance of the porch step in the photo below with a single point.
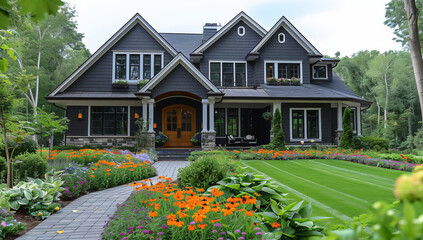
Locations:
(172, 154)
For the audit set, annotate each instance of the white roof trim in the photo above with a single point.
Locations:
(179, 59)
(137, 19)
(291, 30)
(241, 16)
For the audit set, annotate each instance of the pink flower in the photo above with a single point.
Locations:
(3, 224)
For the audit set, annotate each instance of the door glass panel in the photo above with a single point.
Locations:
(186, 120)
(171, 120)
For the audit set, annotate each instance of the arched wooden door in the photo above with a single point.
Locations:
(178, 125)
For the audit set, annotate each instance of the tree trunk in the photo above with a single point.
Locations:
(385, 111)
(9, 178)
(50, 146)
(378, 113)
(414, 44)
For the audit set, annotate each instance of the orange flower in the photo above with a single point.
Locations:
(215, 220)
(275, 225)
(171, 216)
(94, 169)
(202, 226)
(249, 213)
(157, 206)
(96, 164)
(178, 195)
(153, 214)
(200, 190)
(216, 192)
(131, 169)
(92, 176)
(179, 223)
(198, 217)
(181, 214)
(227, 211)
(192, 227)
(108, 170)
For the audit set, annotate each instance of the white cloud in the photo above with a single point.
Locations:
(343, 25)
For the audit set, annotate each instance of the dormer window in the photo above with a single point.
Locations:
(281, 38)
(283, 70)
(241, 31)
(320, 72)
(135, 66)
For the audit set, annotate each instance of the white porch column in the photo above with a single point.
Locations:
(211, 114)
(359, 120)
(144, 111)
(204, 102)
(339, 118)
(151, 115)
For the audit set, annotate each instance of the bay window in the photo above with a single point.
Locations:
(305, 124)
(109, 121)
(228, 74)
(133, 67)
(281, 69)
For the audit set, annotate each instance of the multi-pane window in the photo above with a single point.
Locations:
(228, 74)
(305, 124)
(248, 121)
(219, 122)
(120, 70)
(215, 73)
(320, 72)
(147, 66)
(109, 120)
(283, 70)
(136, 66)
(232, 121)
(186, 120)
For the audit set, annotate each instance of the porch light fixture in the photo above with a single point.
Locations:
(154, 125)
(136, 116)
(80, 115)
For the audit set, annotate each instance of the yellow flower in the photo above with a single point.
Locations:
(56, 208)
(312, 140)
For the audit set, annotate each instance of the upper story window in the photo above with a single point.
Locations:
(136, 66)
(228, 74)
(281, 38)
(241, 31)
(320, 72)
(283, 70)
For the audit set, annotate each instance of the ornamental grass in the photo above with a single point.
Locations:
(163, 211)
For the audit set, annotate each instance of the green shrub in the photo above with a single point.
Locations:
(347, 134)
(27, 145)
(202, 173)
(74, 185)
(278, 140)
(375, 143)
(3, 169)
(247, 156)
(12, 226)
(29, 165)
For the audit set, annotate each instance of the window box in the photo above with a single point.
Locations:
(283, 82)
(142, 83)
(120, 84)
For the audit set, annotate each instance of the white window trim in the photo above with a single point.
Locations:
(221, 71)
(305, 125)
(275, 64)
(243, 30)
(320, 65)
(127, 53)
(281, 34)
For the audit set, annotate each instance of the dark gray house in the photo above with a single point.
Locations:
(219, 83)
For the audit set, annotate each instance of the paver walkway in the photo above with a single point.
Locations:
(94, 210)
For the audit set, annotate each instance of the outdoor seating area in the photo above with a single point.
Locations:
(248, 140)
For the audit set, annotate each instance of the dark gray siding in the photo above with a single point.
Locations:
(179, 80)
(134, 127)
(98, 77)
(326, 114)
(290, 50)
(232, 47)
(77, 127)
(178, 100)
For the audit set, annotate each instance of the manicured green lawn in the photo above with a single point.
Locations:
(337, 189)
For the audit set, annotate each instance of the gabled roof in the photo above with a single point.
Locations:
(184, 42)
(241, 16)
(292, 31)
(136, 19)
(180, 59)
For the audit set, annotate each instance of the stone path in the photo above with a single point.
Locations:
(94, 210)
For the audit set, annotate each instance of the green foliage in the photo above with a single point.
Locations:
(347, 134)
(376, 144)
(29, 165)
(161, 138)
(142, 83)
(75, 185)
(247, 156)
(278, 140)
(12, 226)
(418, 140)
(202, 173)
(3, 167)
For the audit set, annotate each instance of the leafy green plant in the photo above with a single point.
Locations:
(40, 211)
(161, 138)
(142, 82)
(278, 140)
(202, 173)
(29, 165)
(196, 139)
(75, 185)
(375, 143)
(254, 185)
(8, 225)
(347, 134)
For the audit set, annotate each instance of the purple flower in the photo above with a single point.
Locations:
(259, 233)
(150, 232)
(220, 238)
(130, 232)
(164, 226)
(214, 231)
(160, 233)
(139, 227)
(192, 223)
(237, 231)
(241, 238)
(144, 231)
(217, 225)
(129, 228)
(122, 233)
(125, 238)
(223, 233)
(257, 228)
(243, 233)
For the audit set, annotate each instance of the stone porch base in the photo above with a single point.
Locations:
(101, 141)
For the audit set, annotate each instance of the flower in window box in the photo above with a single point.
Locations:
(142, 82)
(272, 80)
(120, 84)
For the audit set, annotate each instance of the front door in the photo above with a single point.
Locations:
(178, 125)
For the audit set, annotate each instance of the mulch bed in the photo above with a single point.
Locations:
(22, 216)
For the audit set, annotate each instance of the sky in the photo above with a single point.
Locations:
(347, 26)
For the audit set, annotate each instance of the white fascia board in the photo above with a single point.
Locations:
(137, 19)
(179, 59)
(292, 31)
(241, 16)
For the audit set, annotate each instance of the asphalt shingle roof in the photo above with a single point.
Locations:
(183, 42)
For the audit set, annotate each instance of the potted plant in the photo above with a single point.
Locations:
(142, 82)
(196, 139)
(161, 139)
(267, 116)
(120, 84)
